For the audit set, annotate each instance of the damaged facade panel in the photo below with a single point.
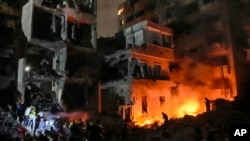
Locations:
(144, 82)
(51, 28)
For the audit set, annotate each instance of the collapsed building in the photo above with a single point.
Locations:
(54, 32)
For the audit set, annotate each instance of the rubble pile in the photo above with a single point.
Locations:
(210, 125)
(8, 125)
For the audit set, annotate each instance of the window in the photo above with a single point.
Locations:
(121, 22)
(140, 13)
(154, 38)
(147, 71)
(162, 100)
(144, 104)
(166, 40)
(129, 19)
(135, 38)
(157, 70)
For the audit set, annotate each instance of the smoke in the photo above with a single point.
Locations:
(196, 74)
(71, 116)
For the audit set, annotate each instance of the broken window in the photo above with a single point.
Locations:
(80, 34)
(162, 100)
(157, 70)
(51, 28)
(154, 38)
(122, 67)
(144, 104)
(147, 71)
(135, 68)
(136, 38)
(166, 40)
(129, 19)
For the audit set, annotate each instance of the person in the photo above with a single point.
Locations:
(32, 118)
(26, 114)
(207, 102)
(41, 127)
(165, 117)
(44, 64)
(18, 112)
(37, 122)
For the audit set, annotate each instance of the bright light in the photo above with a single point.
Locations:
(27, 68)
(120, 11)
(189, 108)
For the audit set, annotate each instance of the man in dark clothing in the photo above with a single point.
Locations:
(165, 117)
(207, 102)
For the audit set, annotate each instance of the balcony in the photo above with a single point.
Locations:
(155, 51)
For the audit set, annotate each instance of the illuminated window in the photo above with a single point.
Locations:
(121, 22)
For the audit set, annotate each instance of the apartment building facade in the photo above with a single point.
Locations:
(55, 33)
(144, 82)
(212, 32)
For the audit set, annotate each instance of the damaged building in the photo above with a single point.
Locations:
(8, 25)
(208, 39)
(205, 42)
(54, 31)
(140, 84)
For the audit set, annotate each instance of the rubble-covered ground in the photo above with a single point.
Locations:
(209, 126)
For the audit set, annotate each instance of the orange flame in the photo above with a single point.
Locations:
(189, 101)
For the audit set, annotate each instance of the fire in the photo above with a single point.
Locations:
(188, 101)
(120, 11)
(190, 107)
(146, 120)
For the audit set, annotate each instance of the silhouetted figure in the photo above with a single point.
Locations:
(44, 64)
(207, 102)
(165, 117)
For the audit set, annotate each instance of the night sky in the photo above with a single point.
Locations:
(107, 21)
